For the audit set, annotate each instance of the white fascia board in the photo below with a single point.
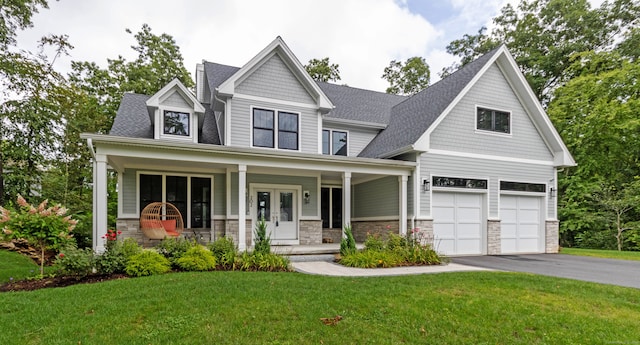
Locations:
(355, 123)
(405, 149)
(227, 88)
(539, 115)
(217, 154)
(154, 101)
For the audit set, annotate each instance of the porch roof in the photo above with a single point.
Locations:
(124, 151)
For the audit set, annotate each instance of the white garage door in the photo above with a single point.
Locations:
(457, 223)
(521, 224)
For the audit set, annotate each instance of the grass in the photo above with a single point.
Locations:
(608, 254)
(17, 266)
(285, 308)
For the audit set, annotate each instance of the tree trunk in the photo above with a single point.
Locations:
(1, 177)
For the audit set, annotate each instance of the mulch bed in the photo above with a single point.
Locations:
(51, 282)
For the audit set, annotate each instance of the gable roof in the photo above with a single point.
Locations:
(175, 84)
(278, 47)
(359, 105)
(411, 118)
(217, 73)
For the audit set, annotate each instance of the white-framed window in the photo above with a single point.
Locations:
(281, 131)
(176, 123)
(191, 194)
(492, 120)
(334, 142)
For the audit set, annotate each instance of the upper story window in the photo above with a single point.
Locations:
(334, 142)
(493, 120)
(176, 123)
(265, 133)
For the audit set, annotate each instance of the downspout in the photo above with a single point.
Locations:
(213, 223)
(225, 120)
(91, 150)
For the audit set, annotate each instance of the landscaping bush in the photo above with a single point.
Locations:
(116, 257)
(225, 251)
(256, 261)
(174, 248)
(348, 243)
(395, 251)
(372, 259)
(262, 240)
(197, 258)
(45, 228)
(74, 262)
(146, 263)
(373, 242)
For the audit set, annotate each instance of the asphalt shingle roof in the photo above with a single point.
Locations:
(359, 104)
(132, 119)
(407, 118)
(411, 118)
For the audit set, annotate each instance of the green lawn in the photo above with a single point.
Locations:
(285, 308)
(16, 266)
(609, 254)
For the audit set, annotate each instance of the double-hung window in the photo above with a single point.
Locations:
(493, 120)
(264, 129)
(334, 142)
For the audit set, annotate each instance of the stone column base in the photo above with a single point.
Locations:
(552, 236)
(494, 246)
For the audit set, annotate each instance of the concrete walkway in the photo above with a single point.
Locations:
(327, 268)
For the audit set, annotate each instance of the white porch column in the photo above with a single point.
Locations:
(99, 202)
(346, 199)
(402, 180)
(242, 207)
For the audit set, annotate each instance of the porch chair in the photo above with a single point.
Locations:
(161, 219)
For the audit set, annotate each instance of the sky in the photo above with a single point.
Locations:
(361, 36)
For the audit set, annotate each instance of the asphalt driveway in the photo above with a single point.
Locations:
(606, 271)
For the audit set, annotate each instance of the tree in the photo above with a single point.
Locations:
(596, 115)
(407, 78)
(16, 15)
(31, 114)
(617, 204)
(544, 34)
(322, 70)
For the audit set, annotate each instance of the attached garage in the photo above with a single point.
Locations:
(521, 224)
(458, 223)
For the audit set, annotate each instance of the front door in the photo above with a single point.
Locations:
(278, 208)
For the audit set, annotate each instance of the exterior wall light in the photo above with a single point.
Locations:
(425, 185)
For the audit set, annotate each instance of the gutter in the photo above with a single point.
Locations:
(91, 150)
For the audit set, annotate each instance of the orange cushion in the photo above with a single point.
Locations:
(169, 225)
(172, 233)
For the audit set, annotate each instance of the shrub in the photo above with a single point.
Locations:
(372, 259)
(146, 263)
(395, 241)
(44, 228)
(74, 262)
(373, 242)
(262, 240)
(225, 251)
(197, 258)
(116, 257)
(348, 243)
(257, 261)
(173, 248)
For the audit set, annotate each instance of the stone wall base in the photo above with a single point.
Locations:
(331, 235)
(494, 246)
(552, 236)
(310, 232)
(361, 229)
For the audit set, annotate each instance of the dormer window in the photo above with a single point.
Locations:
(176, 123)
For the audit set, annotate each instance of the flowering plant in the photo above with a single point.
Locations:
(111, 237)
(45, 228)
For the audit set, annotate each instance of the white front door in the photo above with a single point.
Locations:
(278, 208)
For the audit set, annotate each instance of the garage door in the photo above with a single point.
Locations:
(521, 224)
(457, 223)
